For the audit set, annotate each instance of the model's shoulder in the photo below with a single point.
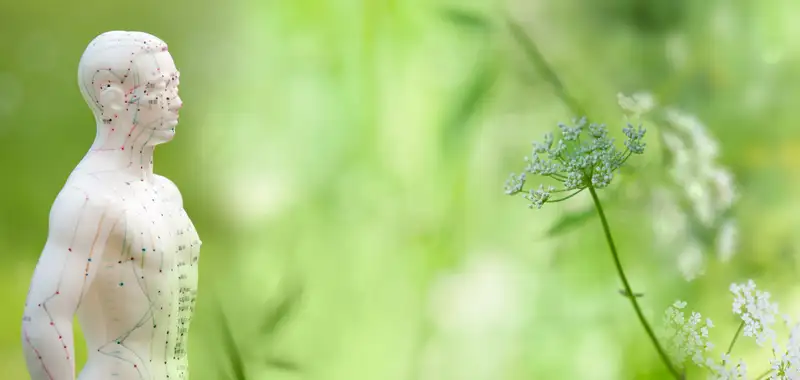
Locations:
(87, 192)
(167, 188)
(164, 182)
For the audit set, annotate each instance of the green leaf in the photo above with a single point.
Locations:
(570, 221)
(283, 364)
(230, 347)
(467, 19)
(278, 314)
(468, 105)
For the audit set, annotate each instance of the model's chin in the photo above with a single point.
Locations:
(165, 134)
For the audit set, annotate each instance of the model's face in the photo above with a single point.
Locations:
(156, 94)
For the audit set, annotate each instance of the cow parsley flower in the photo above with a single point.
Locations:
(637, 104)
(727, 369)
(786, 363)
(708, 186)
(686, 338)
(699, 192)
(756, 310)
(584, 156)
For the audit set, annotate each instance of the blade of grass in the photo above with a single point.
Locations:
(283, 364)
(469, 104)
(467, 19)
(278, 314)
(535, 56)
(234, 357)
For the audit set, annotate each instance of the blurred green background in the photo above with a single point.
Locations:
(343, 162)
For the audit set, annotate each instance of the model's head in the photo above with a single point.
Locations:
(129, 78)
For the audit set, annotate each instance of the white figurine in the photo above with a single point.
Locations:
(121, 253)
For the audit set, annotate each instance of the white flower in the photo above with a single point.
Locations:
(686, 338)
(701, 190)
(670, 222)
(690, 261)
(786, 362)
(727, 370)
(722, 179)
(756, 310)
(584, 156)
(708, 185)
(727, 239)
(636, 104)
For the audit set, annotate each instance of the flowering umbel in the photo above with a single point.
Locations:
(689, 339)
(585, 156)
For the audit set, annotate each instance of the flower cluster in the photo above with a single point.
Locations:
(756, 311)
(708, 186)
(727, 370)
(686, 338)
(637, 104)
(698, 189)
(786, 363)
(584, 156)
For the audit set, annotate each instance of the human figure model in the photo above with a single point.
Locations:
(121, 253)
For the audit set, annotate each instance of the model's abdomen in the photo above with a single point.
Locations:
(139, 331)
(137, 314)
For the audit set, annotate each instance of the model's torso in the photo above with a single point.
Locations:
(136, 315)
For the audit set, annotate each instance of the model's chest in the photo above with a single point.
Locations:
(158, 234)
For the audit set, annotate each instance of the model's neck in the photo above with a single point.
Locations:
(126, 149)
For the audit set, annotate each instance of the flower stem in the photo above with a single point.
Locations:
(765, 374)
(627, 286)
(735, 337)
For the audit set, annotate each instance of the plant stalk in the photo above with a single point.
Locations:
(627, 286)
(735, 337)
(535, 56)
(764, 375)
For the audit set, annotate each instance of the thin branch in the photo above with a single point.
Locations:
(565, 198)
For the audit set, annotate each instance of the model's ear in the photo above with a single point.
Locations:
(111, 98)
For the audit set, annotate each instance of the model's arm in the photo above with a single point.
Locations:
(80, 225)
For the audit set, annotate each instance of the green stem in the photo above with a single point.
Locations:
(535, 56)
(765, 374)
(735, 337)
(565, 198)
(627, 286)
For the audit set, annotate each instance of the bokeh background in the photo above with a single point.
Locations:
(344, 162)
